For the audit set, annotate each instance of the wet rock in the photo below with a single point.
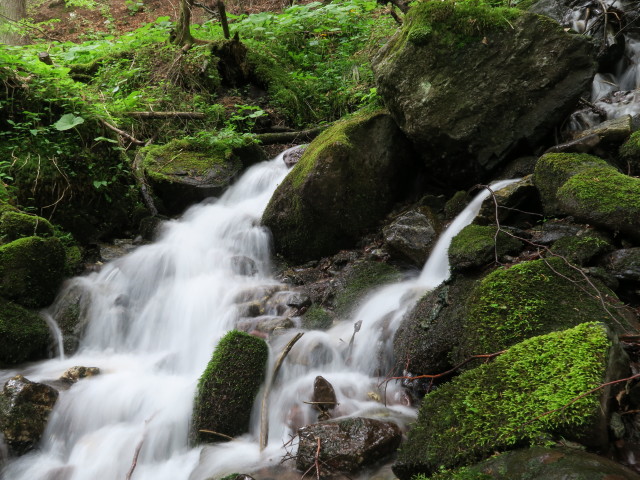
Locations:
(505, 403)
(463, 129)
(346, 445)
(69, 314)
(291, 157)
(624, 264)
(298, 300)
(228, 386)
(516, 203)
(73, 374)
(24, 334)
(347, 180)
(24, 411)
(582, 249)
(324, 398)
(540, 463)
(477, 246)
(266, 325)
(241, 265)
(456, 204)
(412, 234)
(553, 230)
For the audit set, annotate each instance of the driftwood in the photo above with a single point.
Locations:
(289, 137)
(184, 115)
(264, 415)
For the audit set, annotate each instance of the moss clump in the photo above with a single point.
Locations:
(530, 298)
(581, 250)
(14, 225)
(499, 405)
(456, 23)
(630, 153)
(228, 386)
(360, 280)
(476, 246)
(24, 335)
(31, 270)
(317, 318)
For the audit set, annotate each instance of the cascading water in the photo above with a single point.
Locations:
(155, 316)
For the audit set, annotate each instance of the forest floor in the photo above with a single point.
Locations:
(116, 17)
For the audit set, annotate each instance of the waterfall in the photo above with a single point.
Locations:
(153, 321)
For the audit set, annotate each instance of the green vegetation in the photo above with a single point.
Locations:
(24, 335)
(317, 318)
(501, 404)
(530, 298)
(228, 386)
(476, 246)
(581, 250)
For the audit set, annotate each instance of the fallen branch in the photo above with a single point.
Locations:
(264, 416)
(289, 137)
(216, 433)
(122, 133)
(184, 115)
(136, 454)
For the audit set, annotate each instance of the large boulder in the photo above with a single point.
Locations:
(228, 386)
(24, 334)
(412, 234)
(24, 411)
(542, 463)
(541, 388)
(345, 183)
(31, 269)
(476, 246)
(346, 445)
(589, 189)
(472, 86)
(14, 225)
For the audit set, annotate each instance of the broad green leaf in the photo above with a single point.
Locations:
(67, 121)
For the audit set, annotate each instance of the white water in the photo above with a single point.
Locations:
(154, 319)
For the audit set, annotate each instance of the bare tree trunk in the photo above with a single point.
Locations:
(11, 12)
(183, 27)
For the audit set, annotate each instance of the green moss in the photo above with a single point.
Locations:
(317, 318)
(456, 23)
(363, 277)
(503, 404)
(530, 298)
(604, 190)
(14, 225)
(476, 246)
(227, 388)
(31, 270)
(581, 250)
(462, 473)
(24, 335)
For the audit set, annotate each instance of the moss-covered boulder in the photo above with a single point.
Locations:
(533, 298)
(184, 172)
(14, 225)
(537, 390)
(542, 463)
(24, 334)
(31, 269)
(345, 183)
(228, 386)
(581, 250)
(589, 189)
(476, 246)
(471, 85)
(24, 411)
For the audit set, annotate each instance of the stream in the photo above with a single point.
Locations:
(153, 320)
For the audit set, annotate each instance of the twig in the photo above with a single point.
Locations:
(185, 115)
(264, 416)
(216, 433)
(121, 133)
(136, 454)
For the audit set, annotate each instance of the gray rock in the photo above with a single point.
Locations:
(24, 411)
(412, 234)
(346, 445)
(624, 264)
(292, 156)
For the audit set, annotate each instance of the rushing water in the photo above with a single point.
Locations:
(153, 320)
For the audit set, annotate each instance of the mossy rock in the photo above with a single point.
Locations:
(456, 204)
(31, 270)
(14, 225)
(186, 171)
(630, 153)
(533, 298)
(476, 246)
(433, 76)
(317, 318)
(542, 463)
(347, 180)
(228, 387)
(24, 335)
(583, 249)
(359, 280)
(589, 189)
(506, 403)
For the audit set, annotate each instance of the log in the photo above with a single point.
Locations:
(302, 136)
